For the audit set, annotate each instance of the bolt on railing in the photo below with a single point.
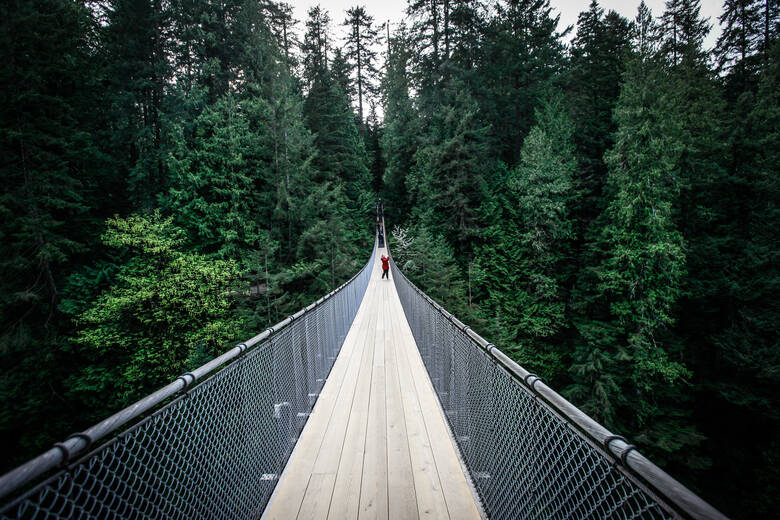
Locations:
(530, 452)
(216, 449)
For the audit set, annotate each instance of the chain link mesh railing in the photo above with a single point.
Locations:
(214, 451)
(530, 453)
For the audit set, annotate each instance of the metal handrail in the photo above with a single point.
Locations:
(685, 503)
(62, 452)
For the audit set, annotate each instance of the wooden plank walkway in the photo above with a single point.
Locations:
(376, 444)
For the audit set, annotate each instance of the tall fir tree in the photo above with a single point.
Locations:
(464, 25)
(281, 22)
(340, 164)
(400, 137)
(527, 254)
(215, 181)
(373, 138)
(683, 30)
(522, 52)
(360, 45)
(749, 29)
(57, 184)
(425, 37)
(448, 178)
(629, 369)
(316, 44)
(738, 358)
(138, 69)
(593, 85)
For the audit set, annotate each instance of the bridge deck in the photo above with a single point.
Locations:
(376, 445)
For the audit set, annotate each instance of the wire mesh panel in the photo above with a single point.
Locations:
(526, 460)
(217, 450)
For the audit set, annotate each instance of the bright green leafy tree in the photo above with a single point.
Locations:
(163, 309)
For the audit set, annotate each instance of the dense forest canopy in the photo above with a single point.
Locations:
(600, 201)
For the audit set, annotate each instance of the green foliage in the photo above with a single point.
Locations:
(429, 261)
(522, 51)
(749, 28)
(399, 140)
(137, 69)
(316, 43)
(217, 175)
(341, 155)
(447, 179)
(743, 313)
(683, 30)
(525, 252)
(361, 54)
(638, 267)
(163, 311)
(52, 194)
(593, 85)
(129, 107)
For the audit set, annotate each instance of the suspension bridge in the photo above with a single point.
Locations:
(372, 402)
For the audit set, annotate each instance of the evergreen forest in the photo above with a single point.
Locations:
(601, 201)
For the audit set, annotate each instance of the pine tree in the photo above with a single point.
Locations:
(629, 370)
(738, 40)
(138, 71)
(426, 37)
(214, 183)
(521, 53)
(341, 199)
(374, 135)
(328, 250)
(399, 140)
(341, 154)
(339, 70)
(291, 167)
(361, 55)
(740, 378)
(749, 28)
(528, 284)
(770, 13)
(683, 30)
(593, 85)
(448, 177)
(445, 32)
(240, 166)
(281, 22)
(464, 24)
(54, 175)
(316, 43)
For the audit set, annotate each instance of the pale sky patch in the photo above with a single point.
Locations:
(394, 11)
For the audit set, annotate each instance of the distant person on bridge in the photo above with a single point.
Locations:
(385, 266)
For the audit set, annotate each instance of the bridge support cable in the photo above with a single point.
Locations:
(216, 439)
(530, 452)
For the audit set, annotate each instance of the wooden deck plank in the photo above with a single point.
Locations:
(288, 499)
(345, 501)
(317, 498)
(373, 490)
(377, 445)
(335, 436)
(456, 490)
(430, 499)
(402, 496)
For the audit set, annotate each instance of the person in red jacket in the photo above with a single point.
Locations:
(385, 266)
